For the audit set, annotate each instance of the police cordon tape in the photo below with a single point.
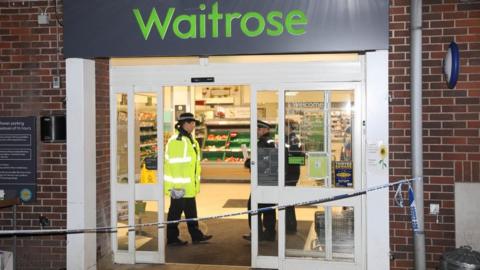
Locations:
(163, 224)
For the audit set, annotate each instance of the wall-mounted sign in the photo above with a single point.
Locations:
(109, 28)
(18, 158)
(179, 109)
(451, 65)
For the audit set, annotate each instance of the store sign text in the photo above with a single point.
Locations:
(251, 24)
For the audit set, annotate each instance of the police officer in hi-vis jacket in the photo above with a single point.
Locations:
(182, 180)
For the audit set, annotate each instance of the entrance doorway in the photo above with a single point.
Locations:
(317, 138)
(320, 100)
(224, 114)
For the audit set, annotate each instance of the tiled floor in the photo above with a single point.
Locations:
(210, 201)
(213, 196)
(227, 241)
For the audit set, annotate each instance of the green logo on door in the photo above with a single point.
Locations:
(207, 22)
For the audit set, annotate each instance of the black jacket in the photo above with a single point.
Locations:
(292, 171)
(263, 142)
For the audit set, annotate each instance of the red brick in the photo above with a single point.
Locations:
(467, 22)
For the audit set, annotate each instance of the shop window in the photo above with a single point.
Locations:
(267, 152)
(267, 231)
(341, 119)
(146, 237)
(122, 223)
(318, 138)
(145, 138)
(325, 233)
(342, 233)
(306, 160)
(122, 139)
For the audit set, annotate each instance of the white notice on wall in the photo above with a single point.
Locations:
(377, 156)
(372, 154)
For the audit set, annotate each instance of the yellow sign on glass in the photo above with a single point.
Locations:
(317, 165)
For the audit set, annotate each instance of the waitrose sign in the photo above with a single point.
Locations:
(104, 28)
(207, 22)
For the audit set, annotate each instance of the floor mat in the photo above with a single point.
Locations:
(227, 247)
(235, 203)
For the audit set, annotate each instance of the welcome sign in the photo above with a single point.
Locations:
(105, 28)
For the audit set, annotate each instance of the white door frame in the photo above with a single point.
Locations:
(132, 191)
(282, 195)
(369, 70)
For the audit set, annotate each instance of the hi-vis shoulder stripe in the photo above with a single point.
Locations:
(179, 160)
(163, 224)
(176, 180)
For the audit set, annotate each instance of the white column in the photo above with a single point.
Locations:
(378, 237)
(81, 163)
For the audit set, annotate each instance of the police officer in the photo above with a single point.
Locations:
(182, 179)
(292, 170)
(266, 219)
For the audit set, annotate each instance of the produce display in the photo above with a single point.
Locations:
(224, 145)
(218, 137)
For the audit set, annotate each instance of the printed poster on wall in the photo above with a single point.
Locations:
(18, 158)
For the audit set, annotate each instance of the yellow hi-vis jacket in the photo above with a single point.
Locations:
(182, 166)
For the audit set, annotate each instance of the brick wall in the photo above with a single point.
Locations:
(28, 62)
(451, 119)
(103, 154)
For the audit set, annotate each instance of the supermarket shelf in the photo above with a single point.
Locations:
(148, 144)
(222, 164)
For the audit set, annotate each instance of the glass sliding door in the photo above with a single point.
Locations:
(316, 132)
(136, 190)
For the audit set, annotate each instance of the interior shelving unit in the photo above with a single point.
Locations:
(222, 156)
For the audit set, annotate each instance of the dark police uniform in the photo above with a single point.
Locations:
(292, 174)
(267, 219)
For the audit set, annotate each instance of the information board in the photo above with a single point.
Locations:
(18, 158)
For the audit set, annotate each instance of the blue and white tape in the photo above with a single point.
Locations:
(163, 224)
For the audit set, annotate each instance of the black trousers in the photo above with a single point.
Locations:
(177, 207)
(266, 220)
(290, 216)
(290, 219)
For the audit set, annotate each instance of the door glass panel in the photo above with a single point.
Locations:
(341, 119)
(267, 154)
(146, 237)
(315, 154)
(343, 233)
(326, 233)
(122, 139)
(145, 138)
(308, 240)
(122, 221)
(306, 159)
(168, 114)
(267, 231)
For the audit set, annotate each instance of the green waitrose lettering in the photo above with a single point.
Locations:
(199, 25)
